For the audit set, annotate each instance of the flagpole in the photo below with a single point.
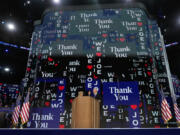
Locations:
(167, 124)
(178, 125)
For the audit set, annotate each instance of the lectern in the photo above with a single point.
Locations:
(85, 112)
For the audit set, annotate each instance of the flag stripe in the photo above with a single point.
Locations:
(16, 112)
(25, 110)
(23, 116)
(16, 115)
(177, 112)
(165, 109)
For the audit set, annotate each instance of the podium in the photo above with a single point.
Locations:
(85, 112)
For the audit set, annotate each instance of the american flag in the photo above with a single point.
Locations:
(25, 110)
(16, 112)
(177, 112)
(165, 109)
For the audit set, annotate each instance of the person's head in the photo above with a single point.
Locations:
(89, 93)
(95, 90)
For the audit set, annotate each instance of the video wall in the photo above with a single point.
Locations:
(116, 54)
